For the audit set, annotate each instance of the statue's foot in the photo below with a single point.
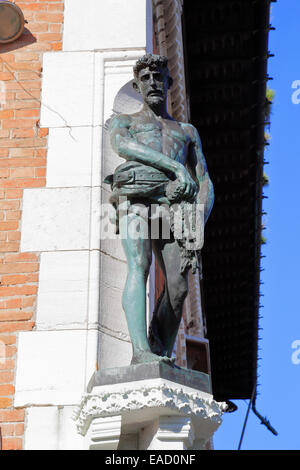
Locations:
(141, 356)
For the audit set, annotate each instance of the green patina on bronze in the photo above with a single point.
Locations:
(164, 164)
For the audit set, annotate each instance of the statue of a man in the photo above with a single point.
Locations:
(164, 164)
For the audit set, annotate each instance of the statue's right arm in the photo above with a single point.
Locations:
(128, 148)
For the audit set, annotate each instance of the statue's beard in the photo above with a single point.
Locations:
(155, 100)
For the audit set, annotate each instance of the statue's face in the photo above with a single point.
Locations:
(153, 85)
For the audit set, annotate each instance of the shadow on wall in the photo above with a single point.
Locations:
(25, 39)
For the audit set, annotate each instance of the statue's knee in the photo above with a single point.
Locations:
(141, 265)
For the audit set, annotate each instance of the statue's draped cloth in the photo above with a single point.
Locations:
(142, 184)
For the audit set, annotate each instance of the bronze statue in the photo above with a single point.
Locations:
(164, 165)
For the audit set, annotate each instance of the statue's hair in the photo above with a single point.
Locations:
(150, 60)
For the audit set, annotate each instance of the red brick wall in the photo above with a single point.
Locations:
(23, 151)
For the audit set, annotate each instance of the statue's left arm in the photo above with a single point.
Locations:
(197, 165)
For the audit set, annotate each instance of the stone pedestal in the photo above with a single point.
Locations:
(149, 406)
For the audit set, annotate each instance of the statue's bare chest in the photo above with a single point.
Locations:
(162, 135)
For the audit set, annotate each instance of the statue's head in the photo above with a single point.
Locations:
(152, 79)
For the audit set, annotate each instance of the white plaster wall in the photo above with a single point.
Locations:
(107, 24)
(50, 367)
(68, 89)
(56, 219)
(63, 290)
(54, 367)
(52, 428)
(69, 158)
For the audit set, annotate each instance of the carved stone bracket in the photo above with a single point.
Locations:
(164, 414)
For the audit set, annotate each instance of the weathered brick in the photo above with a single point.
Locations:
(7, 113)
(23, 76)
(13, 237)
(6, 76)
(9, 205)
(39, 46)
(4, 173)
(8, 339)
(10, 351)
(22, 162)
(24, 103)
(55, 7)
(12, 258)
(13, 215)
(21, 152)
(55, 28)
(49, 17)
(24, 183)
(6, 390)
(9, 416)
(49, 37)
(8, 57)
(57, 46)
(8, 364)
(13, 193)
(22, 290)
(8, 225)
(11, 326)
(5, 402)
(19, 429)
(15, 315)
(41, 152)
(26, 55)
(9, 246)
(22, 172)
(32, 6)
(38, 27)
(7, 430)
(31, 277)
(27, 113)
(7, 268)
(6, 377)
(28, 95)
(22, 133)
(18, 123)
(14, 279)
(43, 132)
(37, 142)
(39, 172)
(12, 443)
(28, 301)
(4, 134)
(6, 96)
(11, 303)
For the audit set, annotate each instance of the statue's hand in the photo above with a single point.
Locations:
(188, 188)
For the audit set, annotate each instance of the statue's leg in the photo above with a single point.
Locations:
(138, 251)
(137, 248)
(169, 312)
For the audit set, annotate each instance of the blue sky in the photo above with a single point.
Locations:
(279, 388)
